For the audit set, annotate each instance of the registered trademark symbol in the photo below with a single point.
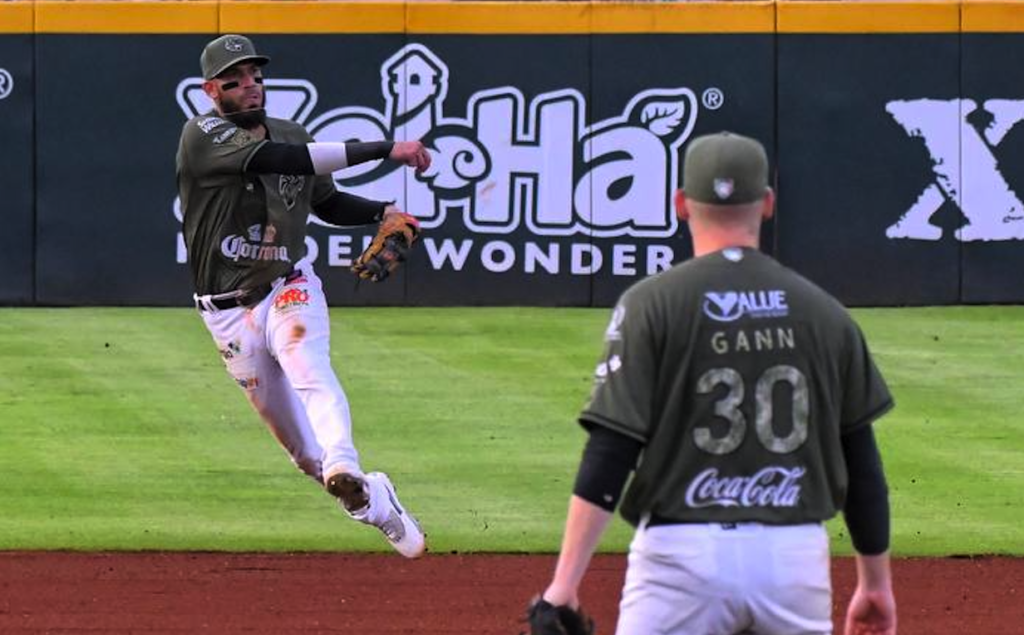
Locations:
(6, 83)
(713, 98)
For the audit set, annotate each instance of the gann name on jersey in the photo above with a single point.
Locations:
(772, 486)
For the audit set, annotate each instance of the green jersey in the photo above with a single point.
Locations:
(241, 229)
(739, 376)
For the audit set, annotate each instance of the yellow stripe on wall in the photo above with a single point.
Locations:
(16, 17)
(456, 17)
(498, 17)
(686, 17)
(993, 17)
(815, 16)
(312, 17)
(197, 16)
(211, 16)
(590, 17)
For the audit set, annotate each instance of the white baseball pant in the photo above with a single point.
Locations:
(278, 352)
(714, 579)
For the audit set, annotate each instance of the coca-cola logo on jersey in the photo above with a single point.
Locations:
(773, 486)
(511, 163)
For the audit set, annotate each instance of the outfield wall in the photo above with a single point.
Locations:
(557, 129)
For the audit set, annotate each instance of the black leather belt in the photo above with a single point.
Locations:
(656, 521)
(249, 297)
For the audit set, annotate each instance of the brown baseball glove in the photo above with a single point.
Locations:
(547, 619)
(395, 236)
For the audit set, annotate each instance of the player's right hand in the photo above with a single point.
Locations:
(411, 153)
(871, 612)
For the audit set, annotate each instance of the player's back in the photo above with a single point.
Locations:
(751, 364)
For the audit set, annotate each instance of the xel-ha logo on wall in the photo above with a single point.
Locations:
(965, 169)
(729, 306)
(509, 164)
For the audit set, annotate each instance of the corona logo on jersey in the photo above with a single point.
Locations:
(532, 167)
(257, 247)
(964, 166)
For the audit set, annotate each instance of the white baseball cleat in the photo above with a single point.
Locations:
(349, 488)
(383, 511)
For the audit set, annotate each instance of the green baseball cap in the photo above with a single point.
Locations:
(725, 169)
(225, 52)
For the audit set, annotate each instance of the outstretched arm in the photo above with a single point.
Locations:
(325, 157)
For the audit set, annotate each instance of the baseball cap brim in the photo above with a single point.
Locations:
(260, 60)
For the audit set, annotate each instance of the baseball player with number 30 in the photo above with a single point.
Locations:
(741, 397)
(248, 184)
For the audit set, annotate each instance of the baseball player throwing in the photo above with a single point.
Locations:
(741, 397)
(248, 184)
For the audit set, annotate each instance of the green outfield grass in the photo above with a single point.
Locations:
(119, 429)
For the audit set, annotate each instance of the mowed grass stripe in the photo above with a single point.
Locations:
(952, 447)
(120, 430)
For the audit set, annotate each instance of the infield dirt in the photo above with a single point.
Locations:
(360, 594)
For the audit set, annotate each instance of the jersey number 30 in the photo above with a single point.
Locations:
(728, 407)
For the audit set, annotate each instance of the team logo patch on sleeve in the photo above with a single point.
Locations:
(614, 330)
(225, 135)
(208, 124)
(604, 369)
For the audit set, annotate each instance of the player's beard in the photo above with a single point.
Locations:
(247, 119)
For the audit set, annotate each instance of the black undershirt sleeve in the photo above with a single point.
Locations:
(293, 158)
(280, 158)
(344, 209)
(867, 498)
(608, 459)
(362, 152)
